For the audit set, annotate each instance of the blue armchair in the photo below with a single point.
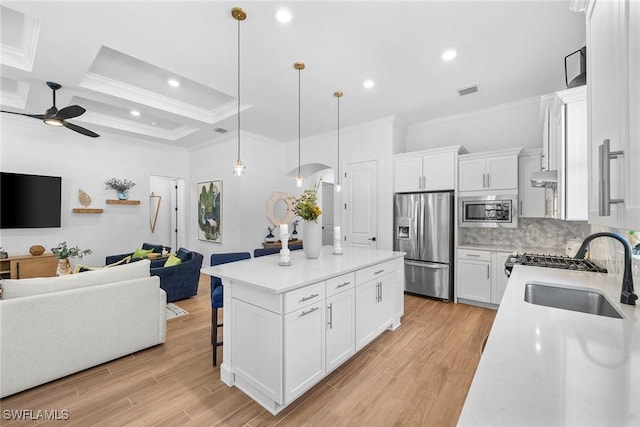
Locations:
(180, 281)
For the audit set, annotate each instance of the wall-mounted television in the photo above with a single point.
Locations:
(30, 201)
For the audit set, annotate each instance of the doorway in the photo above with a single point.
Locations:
(167, 211)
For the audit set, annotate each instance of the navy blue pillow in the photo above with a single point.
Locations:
(183, 254)
(157, 249)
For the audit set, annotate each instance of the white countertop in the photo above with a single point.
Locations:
(545, 366)
(515, 248)
(265, 273)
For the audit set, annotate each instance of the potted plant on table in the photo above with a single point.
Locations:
(63, 253)
(122, 186)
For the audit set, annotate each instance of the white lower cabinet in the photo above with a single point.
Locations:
(283, 344)
(481, 276)
(340, 327)
(304, 362)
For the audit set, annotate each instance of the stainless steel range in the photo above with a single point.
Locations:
(552, 261)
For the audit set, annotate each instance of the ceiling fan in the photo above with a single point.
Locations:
(55, 117)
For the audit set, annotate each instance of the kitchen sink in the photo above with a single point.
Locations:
(581, 300)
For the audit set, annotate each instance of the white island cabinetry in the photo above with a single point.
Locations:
(286, 328)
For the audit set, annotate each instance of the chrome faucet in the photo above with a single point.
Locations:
(627, 296)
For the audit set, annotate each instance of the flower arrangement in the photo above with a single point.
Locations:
(306, 206)
(63, 252)
(120, 185)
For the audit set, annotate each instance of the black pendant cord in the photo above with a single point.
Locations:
(338, 140)
(299, 123)
(238, 91)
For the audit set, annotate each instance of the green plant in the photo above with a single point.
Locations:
(306, 206)
(63, 252)
(120, 185)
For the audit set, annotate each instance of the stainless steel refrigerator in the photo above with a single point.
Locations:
(423, 228)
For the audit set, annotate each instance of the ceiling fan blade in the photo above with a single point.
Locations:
(35, 116)
(81, 130)
(70, 112)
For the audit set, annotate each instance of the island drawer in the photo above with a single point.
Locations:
(340, 283)
(302, 297)
(375, 271)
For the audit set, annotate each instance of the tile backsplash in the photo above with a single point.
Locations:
(531, 232)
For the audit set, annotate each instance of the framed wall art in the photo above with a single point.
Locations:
(210, 211)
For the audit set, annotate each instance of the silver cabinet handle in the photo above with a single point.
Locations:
(419, 182)
(424, 182)
(342, 285)
(330, 309)
(472, 255)
(380, 290)
(604, 157)
(378, 272)
(311, 310)
(520, 207)
(488, 271)
(488, 180)
(309, 297)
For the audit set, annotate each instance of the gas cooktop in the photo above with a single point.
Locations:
(552, 261)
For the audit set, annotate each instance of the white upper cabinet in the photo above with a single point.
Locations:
(490, 172)
(613, 77)
(431, 170)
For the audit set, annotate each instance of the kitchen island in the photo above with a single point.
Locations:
(545, 366)
(286, 328)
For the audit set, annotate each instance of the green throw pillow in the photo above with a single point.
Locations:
(173, 260)
(141, 253)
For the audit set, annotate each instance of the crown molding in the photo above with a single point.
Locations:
(16, 99)
(22, 57)
(105, 120)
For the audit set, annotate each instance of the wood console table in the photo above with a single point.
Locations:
(292, 244)
(25, 266)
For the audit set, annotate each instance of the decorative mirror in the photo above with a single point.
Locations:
(154, 208)
(280, 208)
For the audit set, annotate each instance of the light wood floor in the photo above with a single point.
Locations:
(417, 375)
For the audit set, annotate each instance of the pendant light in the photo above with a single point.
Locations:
(299, 66)
(338, 94)
(238, 14)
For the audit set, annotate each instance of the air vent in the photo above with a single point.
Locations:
(221, 130)
(466, 90)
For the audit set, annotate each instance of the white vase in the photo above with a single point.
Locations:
(312, 239)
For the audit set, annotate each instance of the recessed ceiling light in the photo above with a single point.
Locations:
(368, 84)
(173, 82)
(135, 113)
(448, 55)
(283, 16)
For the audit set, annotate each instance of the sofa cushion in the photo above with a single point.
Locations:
(16, 288)
(156, 248)
(141, 253)
(172, 260)
(81, 268)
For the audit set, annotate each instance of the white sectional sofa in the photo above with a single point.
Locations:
(53, 327)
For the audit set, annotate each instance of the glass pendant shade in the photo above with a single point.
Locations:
(299, 180)
(238, 168)
(338, 186)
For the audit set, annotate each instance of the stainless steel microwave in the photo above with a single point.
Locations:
(488, 211)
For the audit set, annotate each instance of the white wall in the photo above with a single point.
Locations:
(369, 141)
(244, 199)
(516, 124)
(29, 146)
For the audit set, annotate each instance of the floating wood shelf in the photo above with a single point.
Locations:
(88, 210)
(122, 202)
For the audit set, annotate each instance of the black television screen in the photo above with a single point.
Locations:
(29, 201)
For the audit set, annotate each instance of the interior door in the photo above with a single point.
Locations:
(361, 207)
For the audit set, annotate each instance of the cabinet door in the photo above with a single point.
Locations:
(408, 174)
(387, 302)
(632, 148)
(502, 173)
(474, 280)
(605, 94)
(500, 279)
(341, 338)
(367, 313)
(532, 199)
(304, 360)
(439, 172)
(471, 174)
(575, 160)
